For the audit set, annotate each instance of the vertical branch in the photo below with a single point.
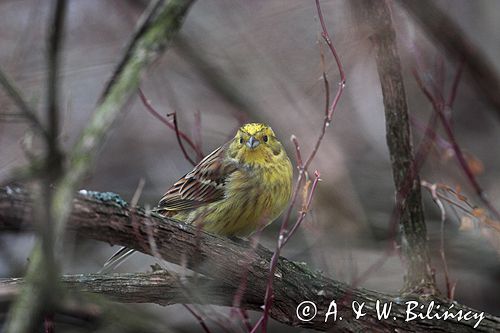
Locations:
(53, 158)
(53, 61)
(418, 277)
(40, 294)
(285, 233)
(179, 141)
(154, 32)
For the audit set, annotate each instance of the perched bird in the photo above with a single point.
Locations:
(239, 188)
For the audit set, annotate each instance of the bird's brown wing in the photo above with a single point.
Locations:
(204, 184)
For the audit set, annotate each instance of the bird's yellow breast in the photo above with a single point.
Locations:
(238, 189)
(254, 198)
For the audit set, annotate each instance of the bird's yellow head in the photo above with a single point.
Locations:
(255, 144)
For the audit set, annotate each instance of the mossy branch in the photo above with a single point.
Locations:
(155, 31)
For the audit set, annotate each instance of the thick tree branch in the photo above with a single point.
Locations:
(106, 217)
(419, 277)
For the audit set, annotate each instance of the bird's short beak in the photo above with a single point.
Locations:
(252, 142)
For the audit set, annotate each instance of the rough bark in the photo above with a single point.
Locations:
(418, 277)
(223, 263)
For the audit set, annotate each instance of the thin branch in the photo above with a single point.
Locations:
(298, 155)
(56, 30)
(285, 234)
(462, 162)
(22, 104)
(178, 136)
(41, 292)
(409, 211)
(149, 107)
(198, 318)
(305, 209)
(454, 86)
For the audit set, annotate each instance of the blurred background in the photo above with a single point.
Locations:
(239, 61)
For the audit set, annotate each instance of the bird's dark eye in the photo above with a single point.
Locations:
(265, 138)
(241, 140)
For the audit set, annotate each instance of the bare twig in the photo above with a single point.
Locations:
(198, 318)
(22, 104)
(409, 212)
(147, 103)
(433, 190)
(173, 126)
(462, 162)
(178, 136)
(284, 233)
(305, 209)
(138, 192)
(53, 61)
(454, 86)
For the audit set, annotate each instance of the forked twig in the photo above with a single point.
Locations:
(450, 288)
(462, 162)
(173, 126)
(284, 233)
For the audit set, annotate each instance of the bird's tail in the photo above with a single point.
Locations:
(116, 260)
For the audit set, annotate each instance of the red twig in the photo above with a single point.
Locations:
(173, 126)
(454, 86)
(325, 81)
(284, 234)
(430, 132)
(298, 156)
(179, 139)
(305, 209)
(441, 73)
(439, 109)
(199, 318)
(48, 323)
(246, 320)
(326, 37)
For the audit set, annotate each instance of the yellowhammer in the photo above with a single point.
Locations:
(236, 190)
